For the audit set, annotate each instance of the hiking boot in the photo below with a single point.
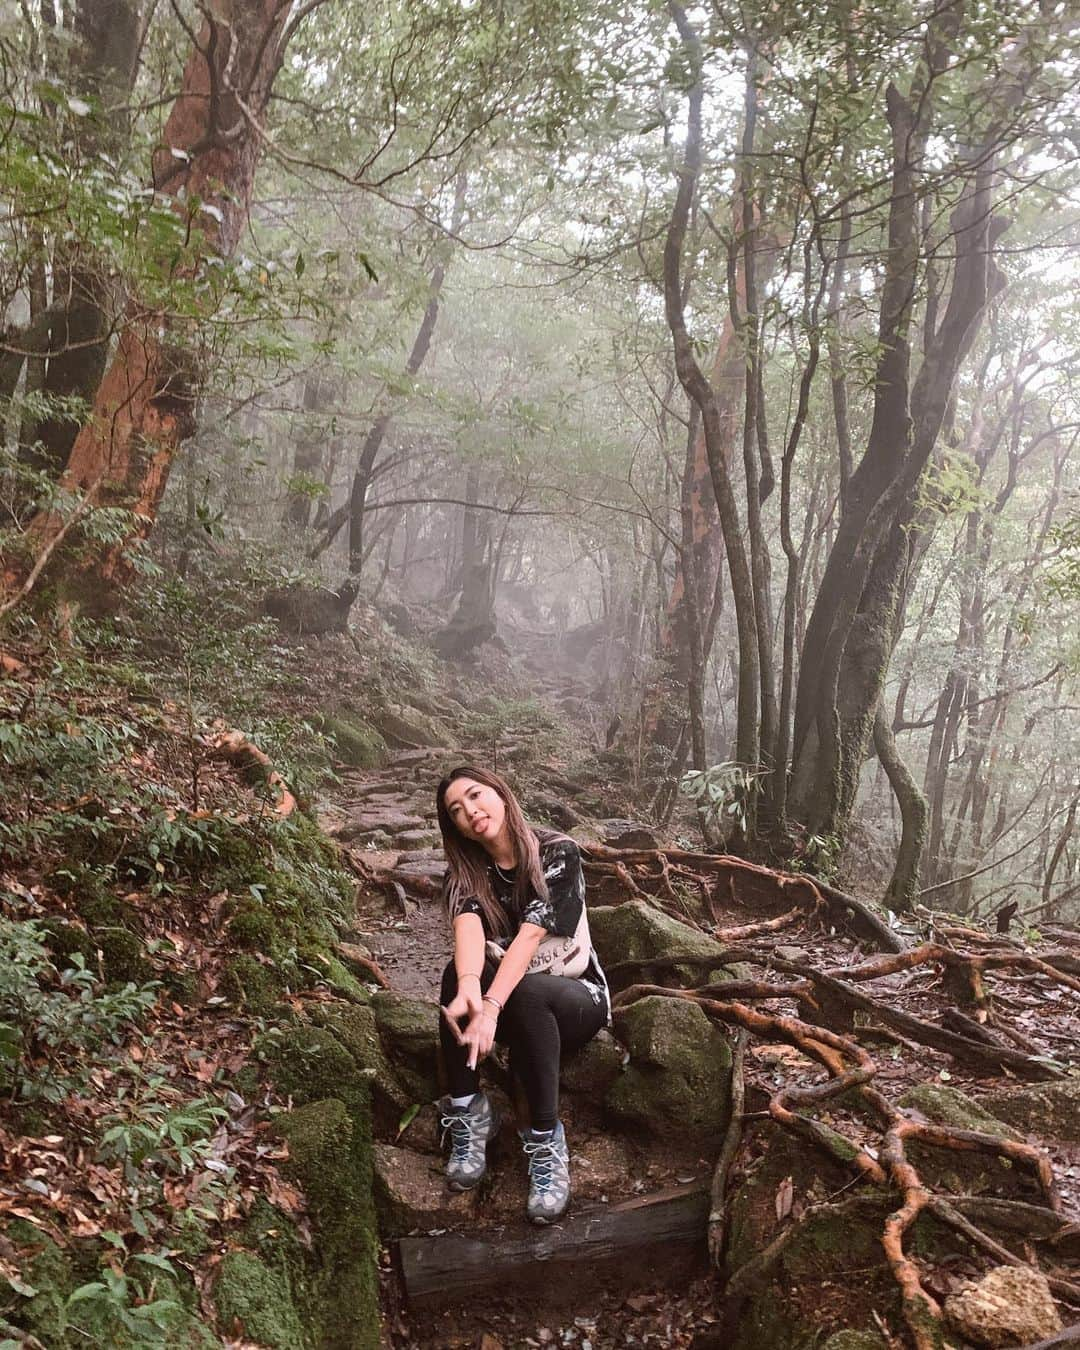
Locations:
(470, 1129)
(549, 1174)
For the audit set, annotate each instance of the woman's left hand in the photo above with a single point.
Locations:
(478, 1037)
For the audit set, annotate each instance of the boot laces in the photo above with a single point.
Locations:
(543, 1155)
(460, 1130)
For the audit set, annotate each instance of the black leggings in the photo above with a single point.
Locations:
(545, 1016)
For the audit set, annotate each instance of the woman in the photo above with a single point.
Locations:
(524, 974)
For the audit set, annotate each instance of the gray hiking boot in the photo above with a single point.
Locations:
(549, 1175)
(469, 1129)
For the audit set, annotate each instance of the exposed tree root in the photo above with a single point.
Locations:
(852, 1069)
(740, 933)
(839, 999)
(747, 883)
(717, 1231)
(235, 747)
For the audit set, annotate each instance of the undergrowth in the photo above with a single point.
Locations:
(157, 915)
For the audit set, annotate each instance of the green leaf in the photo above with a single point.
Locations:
(93, 1290)
(20, 1286)
(407, 1118)
(159, 1262)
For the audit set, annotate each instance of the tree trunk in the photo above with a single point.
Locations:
(904, 885)
(851, 632)
(103, 66)
(701, 391)
(311, 440)
(145, 404)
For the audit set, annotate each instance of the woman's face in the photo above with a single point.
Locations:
(477, 810)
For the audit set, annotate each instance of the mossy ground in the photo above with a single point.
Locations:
(175, 876)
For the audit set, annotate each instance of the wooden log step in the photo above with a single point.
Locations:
(452, 1264)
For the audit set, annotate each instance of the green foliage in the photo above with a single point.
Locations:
(155, 1133)
(724, 792)
(52, 1020)
(125, 1305)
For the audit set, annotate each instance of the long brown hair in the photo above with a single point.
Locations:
(468, 863)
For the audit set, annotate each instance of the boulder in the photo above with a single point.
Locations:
(944, 1105)
(409, 1033)
(407, 728)
(627, 834)
(1012, 1305)
(553, 810)
(1051, 1110)
(961, 1172)
(356, 745)
(594, 1067)
(410, 1193)
(679, 1075)
(638, 930)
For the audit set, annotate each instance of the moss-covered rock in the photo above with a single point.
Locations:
(969, 1173)
(679, 1074)
(123, 957)
(254, 1302)
(356, 744)
(355, 1031)
(251, 985)
(330, 1156)
(593, 1068)
(407, 728)
(638, 931)
(409, 1032)
(945, 1105)
(66, 940)
(1051, 1110)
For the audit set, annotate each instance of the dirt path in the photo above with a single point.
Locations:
(386, 818)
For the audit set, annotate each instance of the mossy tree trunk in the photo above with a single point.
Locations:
(851, 631)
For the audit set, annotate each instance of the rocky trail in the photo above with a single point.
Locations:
(787, 1074)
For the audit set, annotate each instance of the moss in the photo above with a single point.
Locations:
(356, 744)
(679, 1075)
(340, 979)
(123, 958)
(330, 1156)
(46, 1269)
(252, 927)
(66, 940)
(189, 1236)
(946, 1106)
(309, 1063)
(354, 1029)
(1051, 1110)
(253, 986)
(254, 1301)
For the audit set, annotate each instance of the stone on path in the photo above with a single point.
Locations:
(627, 834)
(411, 1193)
(1012, 1305)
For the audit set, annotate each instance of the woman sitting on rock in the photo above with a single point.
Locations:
(524, 973)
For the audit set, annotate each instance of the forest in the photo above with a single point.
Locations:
(673, 407)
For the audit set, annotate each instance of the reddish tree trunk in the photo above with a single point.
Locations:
(145, 403)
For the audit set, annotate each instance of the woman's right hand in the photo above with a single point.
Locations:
(467, 1002)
